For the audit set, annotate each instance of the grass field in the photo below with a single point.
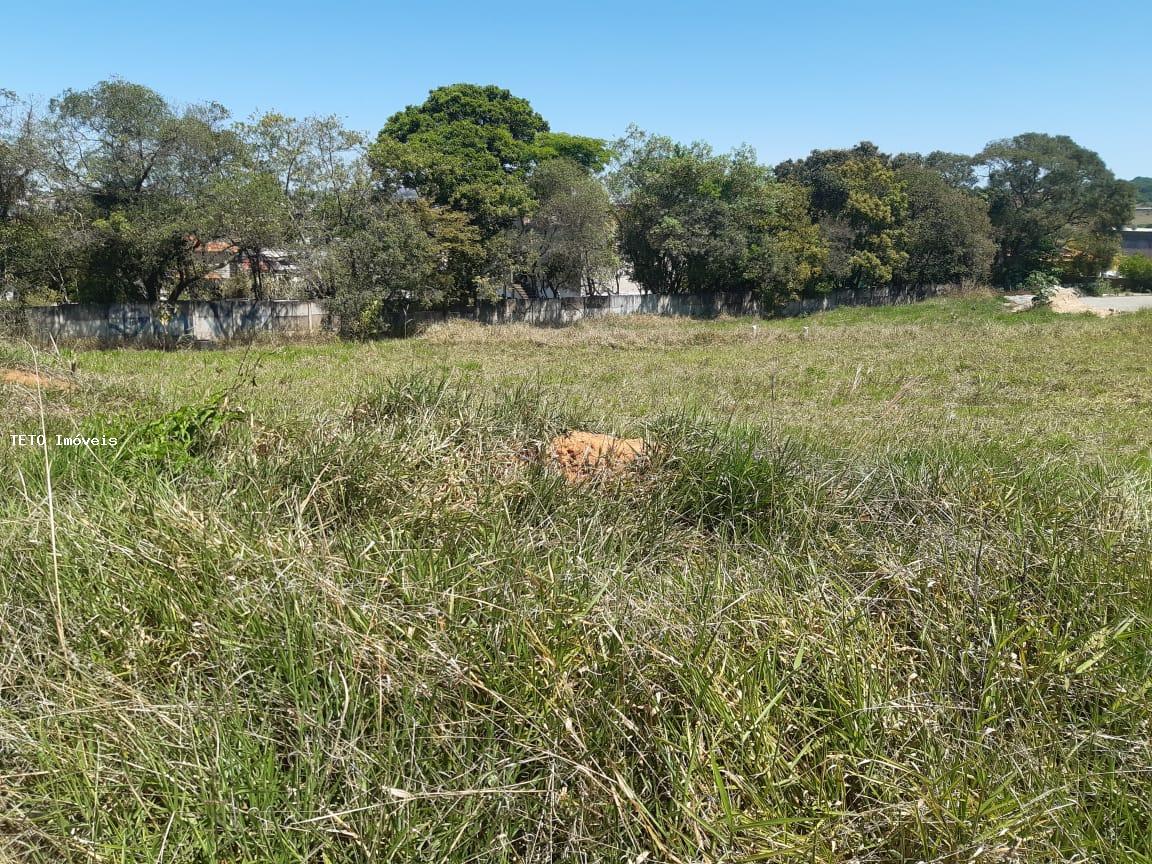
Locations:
(883, 592)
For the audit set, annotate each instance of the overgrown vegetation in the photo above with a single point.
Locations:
(114, 194)
(1136, 271)
(366, 621)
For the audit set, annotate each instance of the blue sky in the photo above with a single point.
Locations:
(783, 77)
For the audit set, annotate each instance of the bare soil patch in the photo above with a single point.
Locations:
(32, 381)
(583, 455)
(1065, 300)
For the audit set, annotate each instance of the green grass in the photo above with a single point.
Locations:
(950, 371)
(882, 594)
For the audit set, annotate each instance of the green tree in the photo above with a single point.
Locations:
(466, 147)
(676, 225)
(570, 240)
(948, 235)
(1085, 255)
(591, 154)
(1143, 188)
(472, 148)
(22, 156)
(396, 256)
(955, 169)
(21, 153)
(137, 171)
(252, 211)
(785, 254)
(875, 212)
(1044, 191)
(861, 206)
(316, 162)
(40, 235)
(694, 221)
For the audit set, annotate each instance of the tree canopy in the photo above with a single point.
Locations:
(948, 235)
(137, 172)
(1045, 191)
(1143, 188)
(472, 148)
(692, 220)
(861, 206)
(570, 239)
(114, 193)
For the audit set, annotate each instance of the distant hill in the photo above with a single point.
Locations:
(1143, 189)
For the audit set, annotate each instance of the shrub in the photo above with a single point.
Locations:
(1038, 280)
(177, 439)
(12, 322)
(1097, 288)
(1136, 270)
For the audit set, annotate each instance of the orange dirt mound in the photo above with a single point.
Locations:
(27, 379)
(581, 455)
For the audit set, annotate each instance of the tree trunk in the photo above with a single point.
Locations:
(254, 272)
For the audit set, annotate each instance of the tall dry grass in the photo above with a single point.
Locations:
(393, 633)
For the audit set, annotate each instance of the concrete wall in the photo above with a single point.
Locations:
(227, 320)
(711, 305)
(568, 310)
(192, 321)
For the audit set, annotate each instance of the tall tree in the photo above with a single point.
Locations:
(466, 147)
(138, 171)
(22, 159)
(955, 169)
(313, 160)
(253, 213)
(785, 254)
(21, 152)
(397, 255)
(1043, 191)
(694, 221)
(472, 148)
(570, 240)
(861, 206)
(948, 235)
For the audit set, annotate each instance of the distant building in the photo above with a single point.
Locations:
(219, 256)
(227, 262)
(1136, 241)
